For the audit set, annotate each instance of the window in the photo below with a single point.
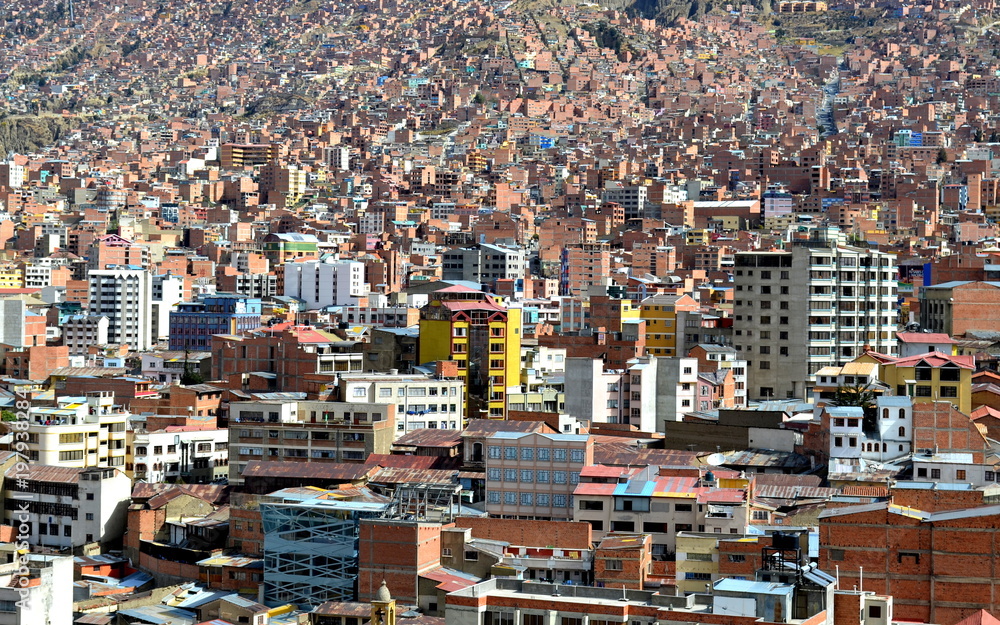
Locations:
(543, 454)
(589, 504)
(949, 374)
(836, 555)
(921, 472)
(622, 526)
(541, 499)
(737, 558)
(527, 499)
(510, 475)
(90, 515)
(527, 476)
(494, 452)
(960, 474)
(949, 391)
(874, 611)
(612, 565)
(510, 498)
(558, 477)
(682, 507)
(558, 501)
(493, 474)
(935, 474)
(654, 528)
(923, 391)
(990, 476)
(542, 477)
(446, 552)
(493, 496)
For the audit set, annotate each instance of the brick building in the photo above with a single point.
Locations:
(934, 551)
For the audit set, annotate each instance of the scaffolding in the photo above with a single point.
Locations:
(425, 502)
(310, 550)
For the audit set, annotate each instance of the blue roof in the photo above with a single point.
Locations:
(629, 489)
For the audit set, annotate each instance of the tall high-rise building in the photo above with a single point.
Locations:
(482, 337)
(812, 306)
(125, 297)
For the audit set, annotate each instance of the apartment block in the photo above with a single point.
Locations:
(68, 508)
(78, 432)
(307, 431)
(534, 475)
(658, 505)
(810, 307)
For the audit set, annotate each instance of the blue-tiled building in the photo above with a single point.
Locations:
(192, 324)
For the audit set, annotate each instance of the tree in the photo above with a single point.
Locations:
(190, 376)
(479, 98)
(942, 156)
(861, 396)
(8, 415)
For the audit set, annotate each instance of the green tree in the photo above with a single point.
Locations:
(190, 376)
(942, 156)
(859, 395)
(479, 98)
(8, 415)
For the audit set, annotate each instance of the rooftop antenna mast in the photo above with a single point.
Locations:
(72, 17)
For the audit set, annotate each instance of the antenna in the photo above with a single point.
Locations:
(72, 18)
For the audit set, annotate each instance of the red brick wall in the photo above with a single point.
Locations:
(939, 425)
(397, 553)
(936, 572)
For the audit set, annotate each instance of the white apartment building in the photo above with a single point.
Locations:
(337, 157)
(80, 332)
(810, 307)
(422, 401)
(167, 455)
(648, 393)
(125, 297)
(484, 264)
(329, 282)
(69, 508)
(78, 432)
(168, 291)
(631, 197)
(46, 602)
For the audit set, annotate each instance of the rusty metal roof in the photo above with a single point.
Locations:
(395, 475)
(430, 437)
(47, 473)
(623, 455)
(486, 427)
(336, 471)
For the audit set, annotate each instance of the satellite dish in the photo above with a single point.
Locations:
(716, 459)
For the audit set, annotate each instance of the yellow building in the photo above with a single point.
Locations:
(929, 377)
(11, 276)
(482, 337)
(660, 314)
(697, 561)
(698, 236)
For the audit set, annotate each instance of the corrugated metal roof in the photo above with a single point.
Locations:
(47, 473)
(430, 437)
(396, 475)
(337, 471)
